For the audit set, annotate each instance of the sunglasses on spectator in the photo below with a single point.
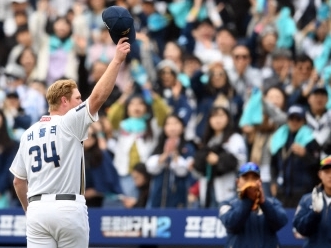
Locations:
(241, 56)
(220, 74)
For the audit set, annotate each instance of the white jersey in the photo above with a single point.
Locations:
(51, 155)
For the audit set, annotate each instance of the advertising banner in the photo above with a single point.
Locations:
(132, 227)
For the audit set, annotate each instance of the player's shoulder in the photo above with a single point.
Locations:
(36, 126)
(76, 110)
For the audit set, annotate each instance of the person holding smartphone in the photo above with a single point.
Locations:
(311, 219)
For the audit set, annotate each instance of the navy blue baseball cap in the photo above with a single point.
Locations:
(319, 89)
(248, 167)
(296, 110)
(119, 22)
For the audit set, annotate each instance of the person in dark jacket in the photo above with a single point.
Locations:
(251, 219)
(208, 88)
(169, 166)
(311, 218)
(101, 176)
(295, 158)
(216, 161)
(8, 149)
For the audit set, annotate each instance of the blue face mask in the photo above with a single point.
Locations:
(134, 125)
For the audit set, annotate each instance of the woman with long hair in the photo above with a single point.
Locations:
(216, 162)
(169, 166)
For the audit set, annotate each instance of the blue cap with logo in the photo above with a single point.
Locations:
(248, 167)
(119, 22)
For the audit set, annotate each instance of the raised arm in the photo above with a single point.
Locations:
(106, 83)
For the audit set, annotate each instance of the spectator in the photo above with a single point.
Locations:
(208, 88)
(217, 159)
(315, 39)
(155, 24)
(93, 17)
(319, 118)
(311, 218)
(252, 218)
(33, 103)
(302, 78)
(136, 126)
(101, 175)
(262, 16)
(259, 121)
(205, 46)
(198, 34)
(28, 60)
(242, 76)
(17, 120)
(171, 89)
(172, 51)
(263, 45)
(17, 38)
(56, 54)
(226, 39)
(295, 157)
(142, 181)
(8, 149)
(191, 64)
(19, 10)
(278, 73)
(23, 41)
(169, 166)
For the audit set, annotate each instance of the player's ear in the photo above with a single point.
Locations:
(64, 100)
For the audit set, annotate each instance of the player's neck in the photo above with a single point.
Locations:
(56, 113)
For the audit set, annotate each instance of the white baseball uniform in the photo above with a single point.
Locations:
(51, 159)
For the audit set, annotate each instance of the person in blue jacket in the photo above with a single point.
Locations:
(251, 219)
(312, 219)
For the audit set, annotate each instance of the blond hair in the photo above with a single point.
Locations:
(57, 90)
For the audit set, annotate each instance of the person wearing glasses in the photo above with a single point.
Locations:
(242, 75)
(252, 218)
(312, 219)
(211, 87)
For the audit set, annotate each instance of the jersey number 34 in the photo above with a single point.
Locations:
(54, 158)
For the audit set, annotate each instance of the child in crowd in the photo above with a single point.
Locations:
(136, 126)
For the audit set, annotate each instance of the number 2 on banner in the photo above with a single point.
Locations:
(54, 158)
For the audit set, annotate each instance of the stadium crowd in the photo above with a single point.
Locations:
(208, 86)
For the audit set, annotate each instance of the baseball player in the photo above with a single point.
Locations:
(49, 167)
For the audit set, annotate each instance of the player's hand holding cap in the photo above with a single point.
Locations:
(119, 22)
